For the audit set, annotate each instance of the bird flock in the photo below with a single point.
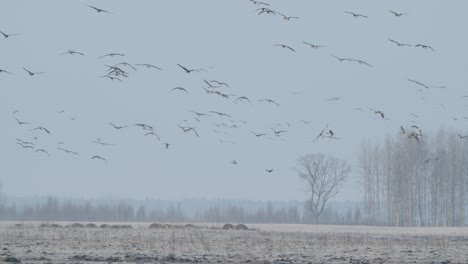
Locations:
(221, 90)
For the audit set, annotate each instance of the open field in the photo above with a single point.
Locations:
(30, 242)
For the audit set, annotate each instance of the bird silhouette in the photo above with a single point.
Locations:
(424, 46)
(399, 44)
(99, 158)
(269, 170)
(313, 45)
(284, 46)
(117, 127)
(266, 11)
(5, 35)
(269, 101)
(166, 145)
(287, 18)
(99, 10)
(278, 133)
(68, 151)
(148, 66)
(320, 135)
(43, 151)
(419, 83)
(32, 73)
(153, 134)
(72, 52)
(341, 59)
(220, 83)
(355, 15)
(396, 14)
(21, 122)
(259, 3)
(379, 113)
(461, 137)
(1, 70)
(220, 114)
(111, 55)
(42, 128)
(258, 135)
(179, 89)
(242, 98)
(191, 70)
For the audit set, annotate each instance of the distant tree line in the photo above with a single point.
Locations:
(53, 209)
(416, 182)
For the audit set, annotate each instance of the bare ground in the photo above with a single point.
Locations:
(208, 243)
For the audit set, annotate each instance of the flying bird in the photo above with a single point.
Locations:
(72, 52)
(24, 142)
(21, 122)
(259, 3)
(99, 10)
(287, 18)
(355, 15)
(179, 89)
(234, 162)
(399, 44)
(145, 127)
(220, 83)
(278, 133)
(361, 62)
(32, 73)
(112, 78)
(461, 137)
(242, 98)
(1, 70)
(424, 46)
(284, 46)
(111, 55)
(402, 130)
(341, 59)
(189, 71)
(419, 83)
(266, 11)
(153, 134)
(333, 99)
(313, 45)
(269, 101)
(396, 14)
(148, 66)
(43, 151)
(99, 157)
(25, 146)
(379, 113)
(257, 135)
(68, 151)
(220, 114)
(321, 133)
(102, 143)
(269, 170)
(117, 127)
(166, 145)
(7, 35)
(42, 128)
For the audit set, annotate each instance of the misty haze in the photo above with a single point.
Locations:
(233, 131)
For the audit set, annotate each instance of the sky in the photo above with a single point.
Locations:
(232, 44)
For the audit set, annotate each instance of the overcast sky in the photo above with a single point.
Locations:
(234, 45)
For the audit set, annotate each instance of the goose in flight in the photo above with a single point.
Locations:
(258, 135)
(21, 122)
(269, 101)
(102, 143)
(242, 98)
(42, 128)
(199, 114)
(220, 114)
(99, 10)
(220, 83)
(234, 162)
(148, 66)
(399, 44)
(99, 158)
(355, 15)
(43, 151)
(189, 71)
(72, 52)
(25, 146)
(320, 135)
(313, 45)
(145, 127)
(397, 14)
(24, 142)
(111, 55)
(269, 170)
(414, 135)
(278, 133)
(1, 70)
(361, 62)
(418, 129)
(126, 64)
(402, 130)
(287, 18)
(117, 127)
(462, 137)
(178, 89)
(424, 46)
(166, 145)
(68, 151)
(379, 113)
(5, 35)
(259, 3)
(419, 83)
(153, 134)
(187, 129)
(112, 78)
(266, 11)
(284, 46)
(333, 99)
(341, 59)
(32, 73)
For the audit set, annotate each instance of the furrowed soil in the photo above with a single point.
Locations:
(59, 242)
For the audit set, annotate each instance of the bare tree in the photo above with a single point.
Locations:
(324, 176)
